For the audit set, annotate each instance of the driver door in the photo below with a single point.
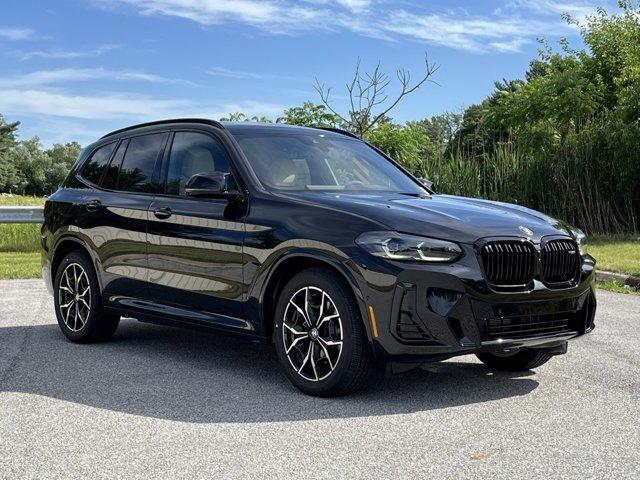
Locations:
(195, 244)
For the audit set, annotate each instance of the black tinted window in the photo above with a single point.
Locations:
(136, 172)
(192, 153)
(110, 179)
(94, 168)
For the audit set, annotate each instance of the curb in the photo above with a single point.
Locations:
(604, 276)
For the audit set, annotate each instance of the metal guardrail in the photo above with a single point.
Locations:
(21, 214)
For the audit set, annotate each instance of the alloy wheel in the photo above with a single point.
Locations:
(312, 333)
(74, 297)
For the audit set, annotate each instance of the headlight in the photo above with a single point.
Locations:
(399, 246)
(580, 237)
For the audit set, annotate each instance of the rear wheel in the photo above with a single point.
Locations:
(78, 301)
(319, 336)
(517, 360)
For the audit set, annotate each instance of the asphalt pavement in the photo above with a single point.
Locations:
(157, 402)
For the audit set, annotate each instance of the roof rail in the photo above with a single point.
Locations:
(214, 123)
(340, 131)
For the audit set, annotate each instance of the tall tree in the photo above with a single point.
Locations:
(7, 134)
(8, 173)
(310, 115)
(369, 102)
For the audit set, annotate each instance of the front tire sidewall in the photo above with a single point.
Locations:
(337, 382)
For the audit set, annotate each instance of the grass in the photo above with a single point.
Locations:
(616, 253)
(19, 265)
(9, 199)
(18, 237)
(618, 287)
(19, 243)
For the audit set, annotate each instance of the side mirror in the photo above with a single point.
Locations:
(208, 184)
(427, 183)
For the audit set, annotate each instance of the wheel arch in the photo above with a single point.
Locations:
(287, 267)
(64, 247)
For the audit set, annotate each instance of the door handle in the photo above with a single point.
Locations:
(162, 213)
(92, 205)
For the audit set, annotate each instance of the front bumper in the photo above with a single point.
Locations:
(439, 311)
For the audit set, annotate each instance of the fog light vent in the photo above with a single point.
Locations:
(441, 301)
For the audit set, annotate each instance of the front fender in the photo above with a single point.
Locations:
(304, 252)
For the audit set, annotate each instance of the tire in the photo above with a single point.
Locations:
(81, 317)
(316, 363)
(522, 360)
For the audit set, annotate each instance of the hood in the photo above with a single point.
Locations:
(448, 217)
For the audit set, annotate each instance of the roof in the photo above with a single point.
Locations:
(234, 128)
(238, 128)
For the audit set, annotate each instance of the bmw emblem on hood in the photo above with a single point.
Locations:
(525, 230)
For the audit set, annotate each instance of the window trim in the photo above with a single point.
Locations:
(120, 143)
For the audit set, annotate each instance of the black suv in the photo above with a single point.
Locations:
(310, 239)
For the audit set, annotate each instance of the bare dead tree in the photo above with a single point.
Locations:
(367, 92)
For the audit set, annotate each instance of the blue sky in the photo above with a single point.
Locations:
(75, 69)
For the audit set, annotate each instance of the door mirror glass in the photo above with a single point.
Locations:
(208, 184)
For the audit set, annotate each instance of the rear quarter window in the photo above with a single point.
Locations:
(94, 168)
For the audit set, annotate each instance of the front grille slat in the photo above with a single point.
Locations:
(508, 263)
(511, 263)
(560, 262)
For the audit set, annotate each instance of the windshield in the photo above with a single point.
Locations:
(322, 161)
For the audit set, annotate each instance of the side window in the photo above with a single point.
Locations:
(136, 172)
(110, 179)
(95, 167)
(192, 153)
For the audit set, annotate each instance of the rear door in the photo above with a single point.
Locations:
(117, 216)
(195, 244)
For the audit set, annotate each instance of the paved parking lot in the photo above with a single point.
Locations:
(162, 402)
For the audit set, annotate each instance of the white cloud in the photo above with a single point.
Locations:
(69, 54)
(554, 7)
(275, 16)
(244, 75)
(511, 46)
(59, 117)
(504, 34)
(128, 107)
(16, 34)
(67, 75)
(354, 5)
(506, 30)
(239, 74)
(105, 106)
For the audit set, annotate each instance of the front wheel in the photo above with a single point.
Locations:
(319, 336)
(518, 360)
